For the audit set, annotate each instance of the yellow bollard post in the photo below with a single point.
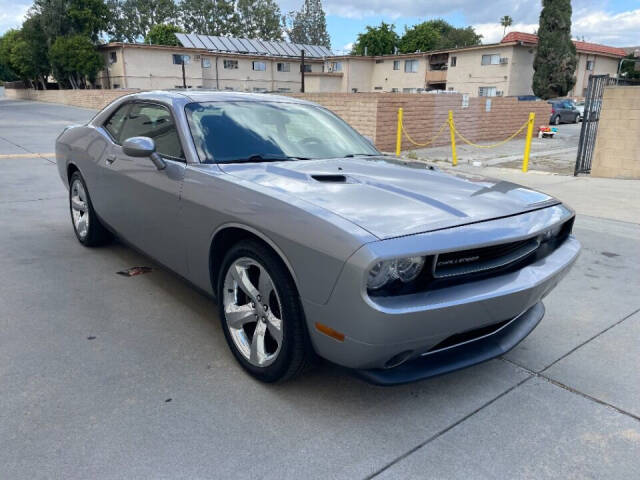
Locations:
(453, 139)
(399, 133)
(527, 143)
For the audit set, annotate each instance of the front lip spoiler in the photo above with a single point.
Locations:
(462, 356)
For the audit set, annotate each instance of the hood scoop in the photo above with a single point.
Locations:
(329, 178)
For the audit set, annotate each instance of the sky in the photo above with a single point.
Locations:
(612, 22)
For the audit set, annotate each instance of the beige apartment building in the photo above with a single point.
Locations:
(223, 63)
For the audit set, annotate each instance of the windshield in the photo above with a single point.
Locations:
(226, 132)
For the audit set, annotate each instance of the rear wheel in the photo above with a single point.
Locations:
(556, 120)
(86, 225)
(261, 315)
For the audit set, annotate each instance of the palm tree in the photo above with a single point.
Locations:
(506, 21)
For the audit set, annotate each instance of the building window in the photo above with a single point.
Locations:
(335, 67)
(259, 66)
(178, 59)
(354, 90)
(307, 68)
(487, 92)
(206, 63)
(230, 64)
(259, 89)
(284, 89)
(396, 64)
(490, 59)
(283, 67)
(394, 90)
(229, 89)
(113, 57)
(454, 61)
(377, 88)
(379, 60)
(411, 66)
(117, 85)
(409, 90)
(590, 65)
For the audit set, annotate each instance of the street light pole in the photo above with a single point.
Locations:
(184, 78)
(302, 71)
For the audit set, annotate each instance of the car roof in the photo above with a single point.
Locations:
(216, 96)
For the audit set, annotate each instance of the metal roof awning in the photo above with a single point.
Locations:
(251, 46)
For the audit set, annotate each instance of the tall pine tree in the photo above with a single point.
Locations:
(555, 61)
(308, 25)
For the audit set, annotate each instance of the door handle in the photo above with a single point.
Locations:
(111, 159)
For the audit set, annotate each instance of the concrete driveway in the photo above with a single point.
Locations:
(105, 376)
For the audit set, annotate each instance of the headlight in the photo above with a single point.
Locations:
(386, 271)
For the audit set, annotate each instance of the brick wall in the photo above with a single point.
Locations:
(617, 149)
(94, 99)
(372, 114)
(424, 116)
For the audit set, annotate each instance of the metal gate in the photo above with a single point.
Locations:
(589, 130)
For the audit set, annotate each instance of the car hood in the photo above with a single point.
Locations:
(390, 198)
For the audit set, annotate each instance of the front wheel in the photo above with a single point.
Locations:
(86, 225)
(261, 314)
(575, 120)
(556, 120)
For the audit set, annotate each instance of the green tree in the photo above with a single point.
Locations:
(506, 21)
(163, 34)
(29, 55)
(7, 41)
(435, 35)
(379, 40)
(422, 37)
(555, 62)
(209, 17)
(259, 19)
(71, 17)
(630, 70)
(308, 25)
(131, 20)
(74, 60)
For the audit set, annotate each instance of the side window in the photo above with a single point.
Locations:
(153, 121)
(115, 122)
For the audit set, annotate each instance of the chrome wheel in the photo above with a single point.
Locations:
(252, 311)
(79, 208)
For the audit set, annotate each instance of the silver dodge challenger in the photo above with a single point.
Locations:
(313, 242)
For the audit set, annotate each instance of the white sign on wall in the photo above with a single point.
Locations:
(487, 106)
(465, 100)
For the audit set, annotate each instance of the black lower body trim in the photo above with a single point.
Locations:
(463, 356)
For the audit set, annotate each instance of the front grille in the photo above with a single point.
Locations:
(465, 262)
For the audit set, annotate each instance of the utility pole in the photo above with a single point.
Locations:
(184, 78)
(302, 71)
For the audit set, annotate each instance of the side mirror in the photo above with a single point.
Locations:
(143, 147)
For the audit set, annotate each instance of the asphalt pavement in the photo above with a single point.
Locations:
(106, 377)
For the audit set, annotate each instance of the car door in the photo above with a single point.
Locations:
(141, 202)
(567, 112)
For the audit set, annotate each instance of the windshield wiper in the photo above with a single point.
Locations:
(259, 157)
(349, 155)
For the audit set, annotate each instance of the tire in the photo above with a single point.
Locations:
(252, 265)
(575, 120)
(86, 225)
(556, 120)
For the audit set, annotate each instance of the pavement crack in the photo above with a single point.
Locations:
(589, 340)
(570, 389)
(448, 428)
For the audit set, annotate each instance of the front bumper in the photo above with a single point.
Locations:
(458, 357)
(376, 331)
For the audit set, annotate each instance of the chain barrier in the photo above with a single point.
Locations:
(406, 134)
(401, 131)
(493, 145)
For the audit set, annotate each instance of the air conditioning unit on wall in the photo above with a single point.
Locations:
(504, 61)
